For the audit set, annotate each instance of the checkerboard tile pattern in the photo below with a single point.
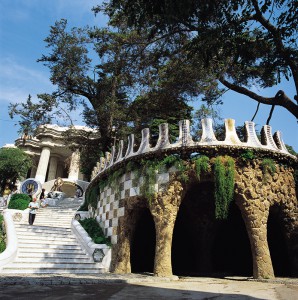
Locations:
(110, 206)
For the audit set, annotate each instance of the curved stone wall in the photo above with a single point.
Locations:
(119, 202)
(271, 143)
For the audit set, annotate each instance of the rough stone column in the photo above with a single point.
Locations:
(164, 208)
(43, 164)
(256, 192)
(74, 167)
(53, 168)
(255, 219)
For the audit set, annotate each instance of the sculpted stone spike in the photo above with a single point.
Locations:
(231, 134)
(267, 138)
(129, 151)
(112, 155)
(102, 162)
(120, 151)
(279, 142)
(163, 139)
(185, 138)
(252, 139)
(208, 133)
(108, 158)
(145, 146)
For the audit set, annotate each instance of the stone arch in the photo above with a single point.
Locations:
(203, 245)
(276, 237)
(142, 247)
(121, 254)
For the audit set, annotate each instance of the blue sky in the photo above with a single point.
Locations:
(24, 24)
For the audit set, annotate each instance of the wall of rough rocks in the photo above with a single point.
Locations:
(119, 209)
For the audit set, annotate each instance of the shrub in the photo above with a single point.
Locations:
(19, 201)
(94, 230)
(2, 235)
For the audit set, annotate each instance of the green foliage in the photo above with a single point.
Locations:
(247, 155)
(150, 168)
(91, 197)
(235, 44)
(94, 231)
(268, 168)
(202, 164)
(2, 235)
(19, 201)
(14, 164)
(291, 150)
(224, 175)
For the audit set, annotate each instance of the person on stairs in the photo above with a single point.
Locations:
(33, 205)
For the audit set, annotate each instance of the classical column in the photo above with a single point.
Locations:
(43, 164)
(74, 167)
(53, 168)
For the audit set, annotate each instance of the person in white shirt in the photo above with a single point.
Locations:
(33, 205)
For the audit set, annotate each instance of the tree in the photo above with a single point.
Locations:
(14, 164)
(240, 43)
(104, 70)
(99, 87)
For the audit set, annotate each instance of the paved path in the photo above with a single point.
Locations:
(137, 286)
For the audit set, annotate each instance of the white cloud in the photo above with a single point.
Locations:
(18, 80)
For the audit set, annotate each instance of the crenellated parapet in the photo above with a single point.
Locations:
(269, 142)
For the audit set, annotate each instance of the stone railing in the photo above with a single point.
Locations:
(269, 142)
(89, 246)
(10, 253)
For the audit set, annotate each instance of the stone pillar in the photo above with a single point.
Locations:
(256, 225)
(53, 168)
(74, 167)
(164, 208)
(43, 164)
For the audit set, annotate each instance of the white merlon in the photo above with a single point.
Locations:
(185, 140)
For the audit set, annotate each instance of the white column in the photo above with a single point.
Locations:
(52, 168)
(43, 164)
(74, 167)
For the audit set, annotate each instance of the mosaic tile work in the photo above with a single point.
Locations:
(110, 206)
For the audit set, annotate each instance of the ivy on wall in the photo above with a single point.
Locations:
(202, 165)
(224, 177)
(268, 168)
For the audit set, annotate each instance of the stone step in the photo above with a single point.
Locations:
(46, 239)
(61, 254)
(59, 260)
(49, 233)
(26, 227)
(53, 271)
(50, 251)
(50, 265)
(50, 246)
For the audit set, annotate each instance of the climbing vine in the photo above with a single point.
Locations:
(202, 165)
(150, 168)
(224, 175)
(268, 168)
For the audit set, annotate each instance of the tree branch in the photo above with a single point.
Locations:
(277, 38)
(280, 99)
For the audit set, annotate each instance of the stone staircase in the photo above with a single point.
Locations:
(49, 246)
